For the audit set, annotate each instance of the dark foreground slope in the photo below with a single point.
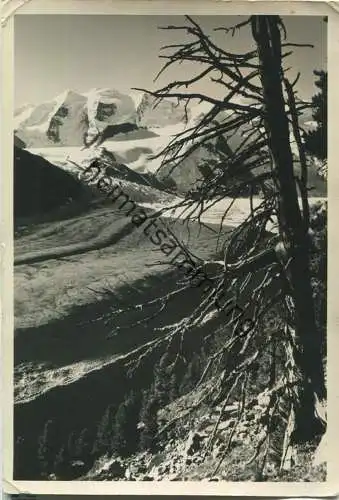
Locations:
(40, 187)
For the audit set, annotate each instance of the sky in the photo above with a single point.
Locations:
(79, 52)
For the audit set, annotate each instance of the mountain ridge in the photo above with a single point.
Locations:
(71, 117)
(122, 122)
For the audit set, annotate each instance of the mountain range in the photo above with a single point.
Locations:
(72, 118)
(73, 127)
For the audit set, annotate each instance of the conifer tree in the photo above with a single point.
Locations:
(104, 436)
(161, 381)
(119, 439)
(148, 420)
(173, 387)
(83, 446)
(316, 140)
(260, 270)
(62, 463)
(47, 448)
(125, 432)
(71, 445)
(191, 375)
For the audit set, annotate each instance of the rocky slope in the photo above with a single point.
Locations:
(196, 458)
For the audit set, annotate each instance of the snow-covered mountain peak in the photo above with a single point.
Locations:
(72, 117)
(23, 108)
(69, 95)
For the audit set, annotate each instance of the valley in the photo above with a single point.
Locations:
(80, 258)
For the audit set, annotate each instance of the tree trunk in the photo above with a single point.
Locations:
(306, 343)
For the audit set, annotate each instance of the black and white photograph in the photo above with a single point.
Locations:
(170, 248)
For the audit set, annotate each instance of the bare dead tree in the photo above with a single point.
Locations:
(260, 270)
